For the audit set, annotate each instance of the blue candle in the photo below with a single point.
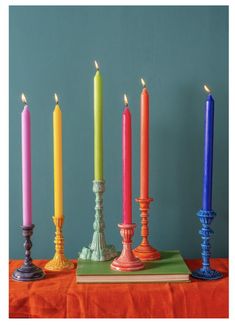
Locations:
(208, 152)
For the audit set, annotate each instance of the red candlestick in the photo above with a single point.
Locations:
(144, 143)
(126, 165)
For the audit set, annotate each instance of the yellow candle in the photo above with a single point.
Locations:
(58, 173)
(98, 125)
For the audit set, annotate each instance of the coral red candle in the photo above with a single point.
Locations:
(126, 165)
(144, 142)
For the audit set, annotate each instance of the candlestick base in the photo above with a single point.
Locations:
(206, 273)
(127, 260)
(59, 261)
(98, 250)
(145, 252)
(28, 271)
(98, 254)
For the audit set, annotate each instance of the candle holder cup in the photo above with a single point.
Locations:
(145, 252)
(205, 272)
(59, 261)
(98, 250)
(28, 271)
(127, 260)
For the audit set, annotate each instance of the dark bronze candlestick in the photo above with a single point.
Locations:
(28, 271)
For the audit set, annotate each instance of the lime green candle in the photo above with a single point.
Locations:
(98, 125)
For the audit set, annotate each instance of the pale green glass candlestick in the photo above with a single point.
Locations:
(98, 250)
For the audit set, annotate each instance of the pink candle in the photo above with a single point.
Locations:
(26, 164)
(126, 165)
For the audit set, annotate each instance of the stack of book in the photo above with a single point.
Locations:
(170, 268)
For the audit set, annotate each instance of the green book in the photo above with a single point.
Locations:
(170, 268)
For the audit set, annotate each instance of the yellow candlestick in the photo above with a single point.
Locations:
(98, 125)
(58, 173)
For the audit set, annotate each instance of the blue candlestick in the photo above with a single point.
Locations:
(206, 214)
(208, 154)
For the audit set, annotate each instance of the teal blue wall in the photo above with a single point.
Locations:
(177, 50)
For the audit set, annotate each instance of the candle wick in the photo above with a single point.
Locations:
(97, 66)
(125, 100)
(23, 98)
(207, 89)
(143, 83)
(56, 99)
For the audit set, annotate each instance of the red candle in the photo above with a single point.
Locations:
(144, 142)
(126, 165)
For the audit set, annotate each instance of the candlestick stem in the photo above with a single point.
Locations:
(127, 260)
(28, 271)
(59, 261)
(145, 251)
(98, 250)
(205, 272)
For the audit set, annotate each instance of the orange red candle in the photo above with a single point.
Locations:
(144, 142)
(126, 165)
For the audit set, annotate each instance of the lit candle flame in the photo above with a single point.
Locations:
(125, 100)
(207, 89)
(143, 82)
(96, 65)
(23, 98)
(56, 98)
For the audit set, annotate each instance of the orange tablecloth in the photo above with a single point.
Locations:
(58, 296)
